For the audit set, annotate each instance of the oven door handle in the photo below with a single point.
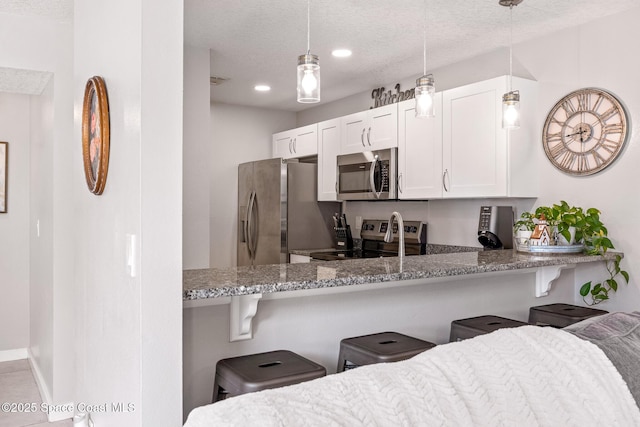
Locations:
(372, 180)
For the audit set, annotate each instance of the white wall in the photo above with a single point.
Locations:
(198, 159)
(128, 329)
(14, 225)
(41, 246)
(43, 45)
(239, 134)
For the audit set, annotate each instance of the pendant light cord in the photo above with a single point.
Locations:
(308, 26)
(424, 39)
(510, 47)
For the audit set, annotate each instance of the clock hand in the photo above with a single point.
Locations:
(579, 132)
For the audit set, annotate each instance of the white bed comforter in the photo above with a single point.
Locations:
(529, 376)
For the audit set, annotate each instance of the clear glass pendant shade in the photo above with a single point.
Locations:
(308, 79)
(511, 110)
(425, 92)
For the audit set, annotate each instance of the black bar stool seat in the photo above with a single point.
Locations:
(561, 315)
(255, 372)
(468, 328)
(378, 348)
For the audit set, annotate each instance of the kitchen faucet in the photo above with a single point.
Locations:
(388, 237)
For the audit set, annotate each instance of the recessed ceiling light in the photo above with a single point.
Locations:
(262, 88)
(341, 53)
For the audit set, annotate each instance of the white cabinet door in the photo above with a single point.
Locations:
(282, 144)
(328, 150)
(299, 142)
(353, 130)
(474, 143)
(374, 129)
(419, 152)
(383, 127)
(480, 159)
(305, 141)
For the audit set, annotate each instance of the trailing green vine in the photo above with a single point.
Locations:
(593, 294)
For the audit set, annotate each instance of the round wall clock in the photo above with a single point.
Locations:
(585, 131)
(95, 134)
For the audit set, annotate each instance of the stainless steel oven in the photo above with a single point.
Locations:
(370, 175)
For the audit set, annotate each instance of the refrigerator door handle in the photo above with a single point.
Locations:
(248, 225)
(255, 233)
(372, 181)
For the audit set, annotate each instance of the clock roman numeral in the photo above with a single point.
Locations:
(612, 128)
(568, 107)
(584, 100)
(557, 150)
(610, 146)
(598, 158)
(609, 113)
(598, 102)
(554, 137)
(568, 159)
(583, 163)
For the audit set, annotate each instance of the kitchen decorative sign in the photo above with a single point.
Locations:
(380, 97)
(95, 134)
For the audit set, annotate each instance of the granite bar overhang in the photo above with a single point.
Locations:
(266, 279)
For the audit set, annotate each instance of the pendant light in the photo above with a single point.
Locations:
(511, 99)
(425, 87)
(308, 71)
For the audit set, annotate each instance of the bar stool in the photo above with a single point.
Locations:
(468, 328)
(561, 315)
(378, 348)
(255, 372)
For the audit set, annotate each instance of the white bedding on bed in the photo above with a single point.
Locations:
(528, 376)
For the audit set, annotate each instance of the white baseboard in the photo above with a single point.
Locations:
(16, 354)
(56, 412)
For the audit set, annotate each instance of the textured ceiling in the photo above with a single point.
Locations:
(23, 81)
(59, 10)
(258, 41)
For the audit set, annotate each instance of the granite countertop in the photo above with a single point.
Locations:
(217, 283)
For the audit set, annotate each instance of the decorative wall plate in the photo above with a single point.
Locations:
(585, 131)
(95, 134)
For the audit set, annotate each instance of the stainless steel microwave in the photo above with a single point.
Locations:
(370, 175)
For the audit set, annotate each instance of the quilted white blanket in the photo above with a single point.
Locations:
(529, 376)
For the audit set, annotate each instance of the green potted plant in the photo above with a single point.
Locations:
(523, 228)
(578, 225)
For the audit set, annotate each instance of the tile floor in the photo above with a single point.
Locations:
(17, 385)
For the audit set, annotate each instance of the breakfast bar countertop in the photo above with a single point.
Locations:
(236, 281)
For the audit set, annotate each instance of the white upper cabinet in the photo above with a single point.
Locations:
(299, 142)
(480, 159)
(328, 150)
(373, 129)
(419, 152)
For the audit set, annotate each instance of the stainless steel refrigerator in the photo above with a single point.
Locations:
(278, 211)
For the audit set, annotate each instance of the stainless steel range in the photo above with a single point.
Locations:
(373, 244)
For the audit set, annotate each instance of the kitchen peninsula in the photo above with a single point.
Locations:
(243, 287)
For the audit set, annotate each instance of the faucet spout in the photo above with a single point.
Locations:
(388, 237)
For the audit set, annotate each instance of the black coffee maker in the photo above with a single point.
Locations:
(495, 228)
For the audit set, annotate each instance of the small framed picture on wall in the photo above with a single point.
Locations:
(4, 164)
(95, 134)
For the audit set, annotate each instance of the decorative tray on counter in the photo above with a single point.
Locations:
(551, 249)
